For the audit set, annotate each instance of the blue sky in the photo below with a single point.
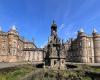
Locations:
(33, 18)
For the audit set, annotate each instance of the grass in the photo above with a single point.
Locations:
(64, 75)
(16, 72)
(96, 70)
(68, 74)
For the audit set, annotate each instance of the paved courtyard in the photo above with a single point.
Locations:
(91, 64)
(5, 65)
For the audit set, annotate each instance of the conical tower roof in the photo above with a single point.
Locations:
(81, 30)
(13, 28)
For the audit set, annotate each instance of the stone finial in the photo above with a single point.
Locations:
(94, 30)
(81, 30)
(13, 28)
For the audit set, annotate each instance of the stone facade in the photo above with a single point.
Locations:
(84, 49)
(14, 48)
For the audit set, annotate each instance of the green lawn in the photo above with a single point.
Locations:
(16, 72)
(78, 74)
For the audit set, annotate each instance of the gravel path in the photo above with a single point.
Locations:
(6, 65)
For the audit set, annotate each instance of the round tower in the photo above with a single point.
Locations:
(82, 46)
(96, 41)
(13, 41)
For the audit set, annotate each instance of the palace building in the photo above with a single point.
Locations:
(13, 48)
(83, 49)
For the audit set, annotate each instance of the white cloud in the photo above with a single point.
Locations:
(61, 27)
(44, 44)
(75, 32)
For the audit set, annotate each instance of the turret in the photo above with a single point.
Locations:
(96, 41)
(13, 30)
(13, 40)
(82, 45)
(81, 33)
